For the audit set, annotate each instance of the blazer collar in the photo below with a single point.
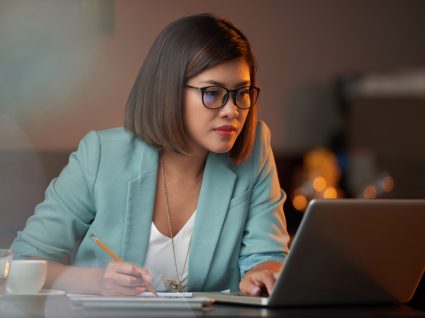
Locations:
(216, 191)
(140, 204)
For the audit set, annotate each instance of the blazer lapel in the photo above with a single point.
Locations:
(140, 205)
(216, 191)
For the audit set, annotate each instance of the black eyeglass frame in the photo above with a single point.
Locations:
(229, 92)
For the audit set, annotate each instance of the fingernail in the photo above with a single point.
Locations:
(255, 291)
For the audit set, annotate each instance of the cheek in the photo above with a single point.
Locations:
(194, 114)
(190, 121)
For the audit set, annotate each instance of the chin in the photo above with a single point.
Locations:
(223, 149)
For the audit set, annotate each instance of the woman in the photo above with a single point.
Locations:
(188, 191)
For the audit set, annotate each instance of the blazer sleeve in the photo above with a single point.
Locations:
(63, 218)
(265, 236)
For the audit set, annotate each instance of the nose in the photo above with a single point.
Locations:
(230, 110)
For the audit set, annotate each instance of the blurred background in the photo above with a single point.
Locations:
(343, 90)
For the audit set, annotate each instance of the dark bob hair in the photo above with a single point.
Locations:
(184, 49)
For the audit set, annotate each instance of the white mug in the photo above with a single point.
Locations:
(26, 276)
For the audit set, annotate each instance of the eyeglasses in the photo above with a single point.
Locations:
(215, 97)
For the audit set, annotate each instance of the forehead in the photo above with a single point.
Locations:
(230, 74)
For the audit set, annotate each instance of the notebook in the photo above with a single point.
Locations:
(164, 301)
(349, 252)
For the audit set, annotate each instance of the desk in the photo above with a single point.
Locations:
(59, 307)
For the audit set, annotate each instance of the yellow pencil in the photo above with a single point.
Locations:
(116, 258)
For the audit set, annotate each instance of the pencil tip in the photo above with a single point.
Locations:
(92, 236)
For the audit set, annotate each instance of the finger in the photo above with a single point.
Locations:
(248, 287)
(145, 275)
(129, 280)
(125, 268)
(265, 279)
(252, 289)
(130, 270)
(268, 280)
(128, 274)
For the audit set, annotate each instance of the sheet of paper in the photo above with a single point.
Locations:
(167, 295)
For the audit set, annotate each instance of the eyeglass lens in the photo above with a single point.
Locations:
(216, 97)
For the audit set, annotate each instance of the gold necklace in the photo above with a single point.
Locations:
(175, 284)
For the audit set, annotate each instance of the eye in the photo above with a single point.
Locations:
(213, 96)
(244, 91)
(212, 91)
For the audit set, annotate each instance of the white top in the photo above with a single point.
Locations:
(160, 260)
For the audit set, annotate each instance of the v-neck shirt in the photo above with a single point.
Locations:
(160, 260)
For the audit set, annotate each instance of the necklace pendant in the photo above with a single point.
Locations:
(176, 285)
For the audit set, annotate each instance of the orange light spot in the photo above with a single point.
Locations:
(330, 193)
(299, 202)
(369, 192)
(387, 184)
(319, 184)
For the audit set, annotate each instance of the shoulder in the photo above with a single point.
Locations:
(262, 129)
(262, 137)
(112, 139)
(112, 135)
(262, 148)
(110, 149)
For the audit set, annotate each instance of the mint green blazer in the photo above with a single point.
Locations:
(108, 188)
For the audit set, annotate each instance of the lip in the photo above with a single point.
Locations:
(225, 130)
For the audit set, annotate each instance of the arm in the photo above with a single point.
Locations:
(60, 276)
(116, 279)
(265, 240)
(64, 217)
(61, 221)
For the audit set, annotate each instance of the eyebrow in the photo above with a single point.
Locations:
(243, 83)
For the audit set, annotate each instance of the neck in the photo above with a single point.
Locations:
(177, 164)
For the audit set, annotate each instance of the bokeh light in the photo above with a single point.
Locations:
(369, 192)
(319, 184)
(330, 193)
(299, 202)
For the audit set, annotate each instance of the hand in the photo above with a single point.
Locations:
(123, 279)
(261, 278)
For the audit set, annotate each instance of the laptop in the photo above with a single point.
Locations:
(350, 252)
